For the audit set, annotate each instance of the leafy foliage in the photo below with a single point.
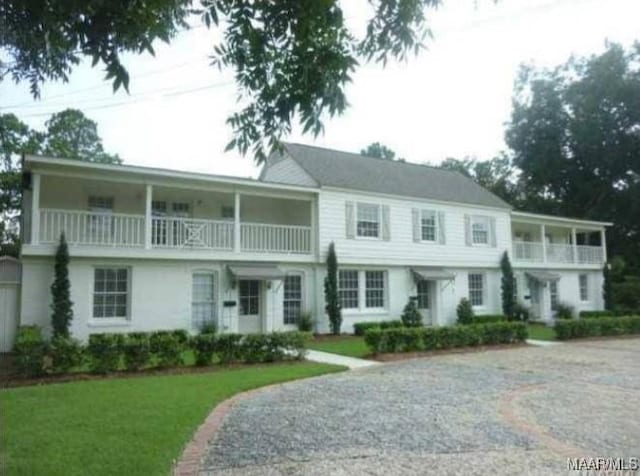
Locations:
(379, 151)
(292, 59)
(607, 289)
(564, 311)
(411, 316)
(465, 312)
(105, 352)
(359, 328)
(30, 351)
(332, 304)
(305, 322)
(507, 286)
(66, 354)
(597, 326)
(61, 304)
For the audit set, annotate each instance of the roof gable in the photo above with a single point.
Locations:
(357, 172)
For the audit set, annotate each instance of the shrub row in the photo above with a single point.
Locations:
(489, 318)
(617, 313)
(432, 338)
(104, 353)
(597, 326)
(360, 328)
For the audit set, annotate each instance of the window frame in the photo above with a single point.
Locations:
(554, 295)
(434, 216)
(421, 293)
(472, 289)
(215, 297)
(299, 300)
(104, 293)
(382, 289)
(351, 289)
(378, 221)
(583, 287)
(480, 220)
(250, 296)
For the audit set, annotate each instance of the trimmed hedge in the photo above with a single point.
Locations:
(30, 351)
(407, 339)
(105, 352)
(597, 326)
(488, 318)
(617, 313)
(360, 328)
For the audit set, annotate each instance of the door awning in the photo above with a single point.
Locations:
(259, 272)
(543, 276)
(432, 274)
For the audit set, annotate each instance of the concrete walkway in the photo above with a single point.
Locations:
(543, 343)
(335, 359)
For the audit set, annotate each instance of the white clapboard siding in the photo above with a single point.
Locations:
(402, 249)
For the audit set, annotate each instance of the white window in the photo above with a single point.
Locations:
(480, 230)
(292, 303)
(424, 294)
(368, 220)
(476, 289)
(428, 226)
(180, 209)
(203, 299)
(348, 288)
(553, 294)
(110, 292)
(374, 288)
(249, 297)
(584, 287)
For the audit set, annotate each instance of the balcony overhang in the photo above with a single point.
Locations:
(257, 272)
(543, 277)
(432, 274)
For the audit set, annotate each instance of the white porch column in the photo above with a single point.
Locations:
(543, 234)
(313, 243)
(147, 217)
(236, 223)
(603, 244)
(35, 209)
(574, 244)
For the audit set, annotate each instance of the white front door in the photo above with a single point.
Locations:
(249, 316)
(425, 301)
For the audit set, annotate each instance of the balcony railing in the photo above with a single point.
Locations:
(91, 228)
(176, 232)
(534, 252)
(116, 229)
(275, 238)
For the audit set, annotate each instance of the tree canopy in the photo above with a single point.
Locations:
(292, 59)
(379, 151)
(68, 134)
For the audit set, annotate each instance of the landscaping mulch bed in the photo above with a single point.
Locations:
(433, 353)
(8, 379)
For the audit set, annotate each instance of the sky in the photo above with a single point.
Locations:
(453, 100)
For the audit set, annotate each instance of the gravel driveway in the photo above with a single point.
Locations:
(515, 411)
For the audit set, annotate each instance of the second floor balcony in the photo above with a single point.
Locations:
(96, 213)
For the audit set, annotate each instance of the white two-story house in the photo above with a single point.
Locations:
(161, 249)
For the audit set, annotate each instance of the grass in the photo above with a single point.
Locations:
(352, 346)
(541, 332)
(133, 426)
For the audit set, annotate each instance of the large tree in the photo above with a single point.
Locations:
(67, 134)
(575, 136)
(379, 151)
(292, 58)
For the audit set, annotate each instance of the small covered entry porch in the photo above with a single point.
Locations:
(543, 294)
(429, 284)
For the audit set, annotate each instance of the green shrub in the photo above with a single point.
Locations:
(30, 351)
(616, 313)
(409, 339)
(361, 327)
(137, 350)
(626, 294)
(272, 347)
(208, 328)
(181, 336)
(228, 347)
(203, 346)
(465, 312)
(520, 313)
(411, 316)
(564, 311)
(597, 326)
(487, 318)
(167, 347)
(66, 353)
(105, 351)
(305, 322)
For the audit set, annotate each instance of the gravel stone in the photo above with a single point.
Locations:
(522, 410)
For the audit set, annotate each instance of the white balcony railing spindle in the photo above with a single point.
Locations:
(267, 238)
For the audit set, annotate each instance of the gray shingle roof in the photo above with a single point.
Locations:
(347, 170)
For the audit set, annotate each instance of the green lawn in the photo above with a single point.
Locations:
(541, 332)
(133, 426)
(352, 346)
